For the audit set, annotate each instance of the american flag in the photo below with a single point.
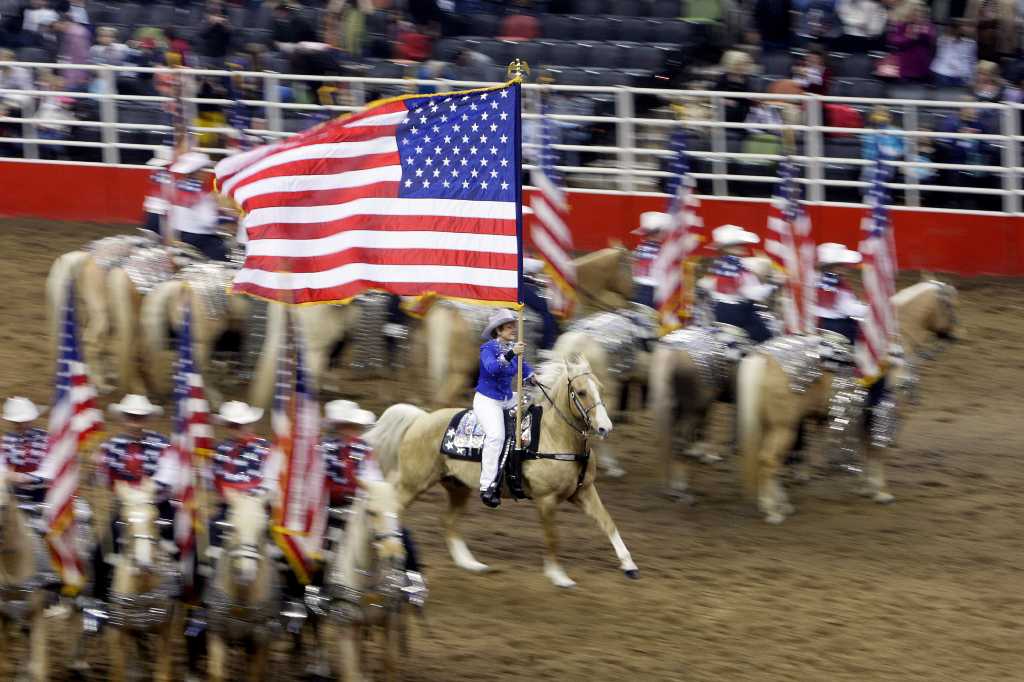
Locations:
(792, 250)
(73, 419)
(667, 268)
(550, 233)
(302, 513)
(192, 436)
(878, 273)
(414, 196)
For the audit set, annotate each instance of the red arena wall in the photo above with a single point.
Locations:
(963, 243)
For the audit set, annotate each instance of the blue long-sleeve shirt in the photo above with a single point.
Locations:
(497, 372)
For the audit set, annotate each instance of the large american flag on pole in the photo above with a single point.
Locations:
(791, 247)
(415, 196)
(192, 436)
(681, 240)
(73, 419)
(302, 510)
(878, 272)
(550, 234)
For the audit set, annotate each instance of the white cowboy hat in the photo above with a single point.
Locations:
(732, 235)
(348, 412)
(20, 410)
(500, 317)
(161, 157)
(831, 253)
(653, 222)
(532, 265)
(190, 162)
(237, 412)
(136, 406)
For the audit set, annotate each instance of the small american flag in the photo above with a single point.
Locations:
(73, 420)
(792, 250)
(550, 234)
(413, 196)
(667, 268)
(302, 512)
(878, 273)
(192, 436)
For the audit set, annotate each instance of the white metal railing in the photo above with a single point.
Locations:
(631, 164)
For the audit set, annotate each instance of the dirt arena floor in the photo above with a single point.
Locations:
(929, 588)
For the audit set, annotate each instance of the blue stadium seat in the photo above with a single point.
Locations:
(32, 54)
(777, 63)
(447, 48)
(498, 50)
(643, 57)
(637, 29)
(628, 8)
(669, 9)
(675, 31)
(589, 6)
(161, 15)
(563, 52)
(605, 55)
(600, 28)
(853, 66)
(557, 26)
(484, 24)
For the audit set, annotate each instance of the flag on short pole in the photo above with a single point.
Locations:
(417, 195)
(73, 419)
(191, 437)
(301, 515)
(879, 327)
(792, 250)
(550, 233)
(667, 269)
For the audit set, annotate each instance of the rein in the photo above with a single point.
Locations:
(577, 403)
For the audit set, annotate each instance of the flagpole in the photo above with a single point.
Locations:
(517, 69)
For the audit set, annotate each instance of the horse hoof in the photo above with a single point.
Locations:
(475, 567)
(710, 458)
(565, 584)
(884, 497)
(633, 574)
(774, 518)
(615, 472)
(681, 496)
(787, 509)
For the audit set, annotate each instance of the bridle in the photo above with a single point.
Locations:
(574, 399)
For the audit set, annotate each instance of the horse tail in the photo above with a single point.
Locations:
(155, 319)
(64, 270)
(386, 436)
(661, 380)
(749, 388)
(261, 391)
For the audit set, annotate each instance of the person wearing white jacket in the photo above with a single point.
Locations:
(863, 24)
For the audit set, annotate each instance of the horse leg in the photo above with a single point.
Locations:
(587, 499)
(351, 644)
(392, 642)
(552, 569)
(874, 476)
(115, 644)
(458, 497)
(163, 663)
(37, 644)
(258, 665)
(772, 498)
(216, 657)
(4, 633)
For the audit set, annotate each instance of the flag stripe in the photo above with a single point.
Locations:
(380, 244)
(380, 224)
(268, 191)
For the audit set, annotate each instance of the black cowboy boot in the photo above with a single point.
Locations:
(492, 496)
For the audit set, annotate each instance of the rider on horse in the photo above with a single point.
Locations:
(239, 463)
(193, 214)
(499, 361)
(349, 461)
(733, 288)
(653, 225)
(532, 299)
(156, 202)
(131, 457)
(23, 448)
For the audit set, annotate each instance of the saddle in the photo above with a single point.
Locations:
(464, 440)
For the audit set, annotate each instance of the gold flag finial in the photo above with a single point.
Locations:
(518, 69)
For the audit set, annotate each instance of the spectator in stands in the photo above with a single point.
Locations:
(736, 68)
(345, 24)
(426, 15)
(74, 44)
(54, 109)
(107, 51)
(863, 25)
(215, 36)
(38, 15)
(962, 151)
(913, 43)
(176, 45)
(290, 28)
(434, 69)
(996, 26)
(899, 11)
(519, 27)
(811, 73)
(817, 21)
(955, 56)
(13, 78)
(75, 10)
(773, 19)
(886, 145)
(988, 84)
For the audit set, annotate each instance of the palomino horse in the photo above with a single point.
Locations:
(604, 279)
(243, 594)
(365, 578)
(145, 586)
(214, 313)
(407, 440)
(22, 599)
(770, 411)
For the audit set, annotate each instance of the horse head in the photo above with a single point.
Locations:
(382, 516)
(943, 320)
(248, 523)
(578, 394)
(138, 513)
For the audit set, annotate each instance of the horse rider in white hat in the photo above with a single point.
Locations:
(349, 461)
(23, 448)
(241, 462)
(837, 307)
(194, 215)
(733, 288)
(131, 457)
(500, 355)
(533, 299)
(653, 227)
(154, 206)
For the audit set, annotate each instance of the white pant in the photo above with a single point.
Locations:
(490, 415)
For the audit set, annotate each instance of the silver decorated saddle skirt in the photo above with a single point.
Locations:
(464, 439)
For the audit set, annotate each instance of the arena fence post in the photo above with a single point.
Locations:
(720, 146)
(1011, 159)
(108, 114)
(912, 195)
(625, 137)
(813, 150)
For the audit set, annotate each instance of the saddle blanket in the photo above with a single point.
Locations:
(464, 439)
